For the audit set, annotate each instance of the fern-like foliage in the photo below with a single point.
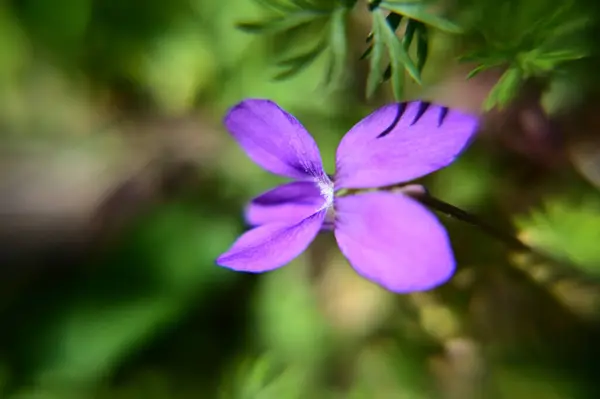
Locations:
(325, 24)
(307, 29)
(533, 39)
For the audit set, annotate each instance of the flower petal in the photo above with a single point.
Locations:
(274, 139)
(401, 142)
(394, 241)
(272, 245)
(289, 202)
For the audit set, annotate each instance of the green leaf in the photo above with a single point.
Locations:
(484, 61)
(568, 27)
(476, 70)
(375, 61)
(399, 58)
(519, 31)
(280, 6)
(397, 79)
(397, 2)
(317, 5)
(538, 62)
(289, 6)
(294, 65)
(422, 46)
(395, 47)
(485, 57)
(409, 33)
(419, 12)
(556, 57)
(278, 25)
(504, 90)
(303, 4)
(338, 45)
(394, 21)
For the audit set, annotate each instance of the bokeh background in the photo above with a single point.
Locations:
(119, 187)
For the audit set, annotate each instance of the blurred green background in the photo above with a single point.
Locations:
(119, 187)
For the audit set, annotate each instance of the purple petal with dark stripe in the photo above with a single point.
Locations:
(401, 142)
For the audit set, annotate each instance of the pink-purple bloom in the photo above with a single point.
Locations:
(387, 237)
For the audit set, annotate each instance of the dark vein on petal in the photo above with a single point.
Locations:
(442, 116)
(401, 107)
(423, 107)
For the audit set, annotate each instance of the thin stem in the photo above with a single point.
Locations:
(565, 269)
(452, 211)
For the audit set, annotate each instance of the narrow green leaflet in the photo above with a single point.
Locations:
(375, 61)
(304, 4)
(393, 21)
(276, 5)
(293, 65)
(538, 62)
(409, 33)
(422, 46)
(419, 12)
(299, 17)
(399, 57)
(338, 45)
(485, 61)
(395, 48)
(288, 6)
(569, 26)
(281, 24)
(504, 90)
(535, 62)
(475, 71)
(397, 77)
(534, 38)
(565, 55)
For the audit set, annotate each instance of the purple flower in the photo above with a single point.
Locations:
(388, 238)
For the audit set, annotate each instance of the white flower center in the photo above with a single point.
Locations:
(326, 187)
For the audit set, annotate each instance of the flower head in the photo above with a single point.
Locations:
(387, 237)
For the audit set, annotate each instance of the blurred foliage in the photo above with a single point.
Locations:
(418, 18)
(530, 40)
(566, 230)
(322, 23)
(119, 187)
(296, 20)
